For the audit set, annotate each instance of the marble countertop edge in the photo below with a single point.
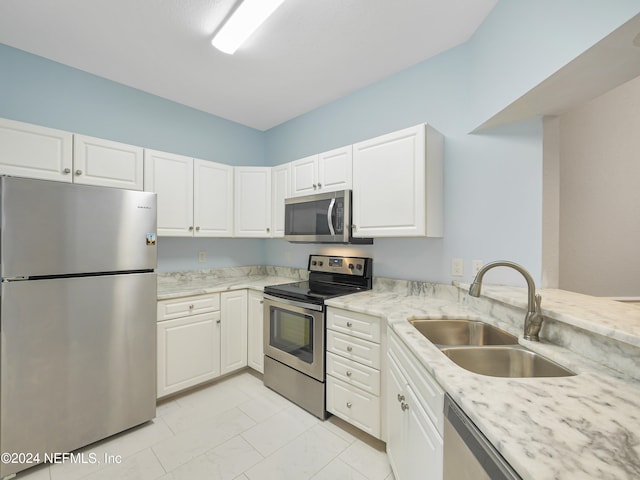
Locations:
(603, 316)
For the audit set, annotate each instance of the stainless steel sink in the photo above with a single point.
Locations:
(462, 332)
(505, 361)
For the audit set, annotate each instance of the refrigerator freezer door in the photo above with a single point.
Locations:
(54, 228)
(77, 361)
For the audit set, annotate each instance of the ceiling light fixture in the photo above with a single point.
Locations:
(243, 22)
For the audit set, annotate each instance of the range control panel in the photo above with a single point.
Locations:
(342, 265)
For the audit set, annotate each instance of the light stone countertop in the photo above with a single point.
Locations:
(183, 284)
(581, 427)
(586, 426)
(606, 317)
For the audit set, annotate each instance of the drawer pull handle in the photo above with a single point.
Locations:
(349, 348)
(400, 398)
(349, 324)
(348, 373)
(349, 404)
(218, 321)
(191, 307)
(404, 406)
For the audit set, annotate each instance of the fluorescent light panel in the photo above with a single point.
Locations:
(244, 21)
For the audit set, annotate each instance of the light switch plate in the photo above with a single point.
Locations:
(202, 257)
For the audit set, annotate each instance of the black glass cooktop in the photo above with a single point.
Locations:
(314, 292)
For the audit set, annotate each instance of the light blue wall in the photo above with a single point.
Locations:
(182, 253)
(491, 181)
(522, 42)
(42, 92)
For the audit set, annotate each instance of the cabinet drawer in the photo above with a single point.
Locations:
(353, 373)
(353, 405)
(185, 306)
(361, 351)
(359, 325)
(429, 392)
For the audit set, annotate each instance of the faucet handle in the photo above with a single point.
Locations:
(538, 299)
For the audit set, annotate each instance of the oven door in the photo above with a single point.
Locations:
(294, 335)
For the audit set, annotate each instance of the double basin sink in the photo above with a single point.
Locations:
(484, 349)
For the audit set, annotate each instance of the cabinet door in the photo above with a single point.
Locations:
(233, 331)
(423, 443)
(397, 187)
(304, 176)
(334, 169)
(255, 329)
(171, 177)
(212, 199)
(396, 420)
(280, 188)
(188, 352)
(37, 152)
(106, 163)
(252, 202)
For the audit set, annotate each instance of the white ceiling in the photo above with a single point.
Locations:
(306, 55)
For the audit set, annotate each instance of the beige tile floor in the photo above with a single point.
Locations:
(234, 429)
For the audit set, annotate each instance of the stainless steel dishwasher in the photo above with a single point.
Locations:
(468, 455)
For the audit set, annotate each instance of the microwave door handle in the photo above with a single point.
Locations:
(329, 215)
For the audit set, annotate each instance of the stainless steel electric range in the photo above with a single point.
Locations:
(294, 327)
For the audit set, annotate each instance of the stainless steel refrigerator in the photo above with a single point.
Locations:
(77, 316)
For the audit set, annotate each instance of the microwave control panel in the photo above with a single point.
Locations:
(343, 265)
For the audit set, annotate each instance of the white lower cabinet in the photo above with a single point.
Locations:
(188, 342)
(200, 338)
(233, 331)
(414, 428)
(255, 331)
(353, 369)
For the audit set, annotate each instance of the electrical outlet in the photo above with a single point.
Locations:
(202, 257)
(457, 267)
(476, 265)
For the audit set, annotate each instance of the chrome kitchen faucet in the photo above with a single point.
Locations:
(533, 318)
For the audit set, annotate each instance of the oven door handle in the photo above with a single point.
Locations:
(294, 303)
(329, 215)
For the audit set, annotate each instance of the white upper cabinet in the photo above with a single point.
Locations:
(398, 184)
(171, 177)
(213, 199)
(326, 172)
(304, 179)
(252, 202)
(280, 189)
(335, 169)
(106, 163)
(31, 151)
(195, 197)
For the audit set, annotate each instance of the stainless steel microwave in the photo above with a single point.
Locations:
(320, 218)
